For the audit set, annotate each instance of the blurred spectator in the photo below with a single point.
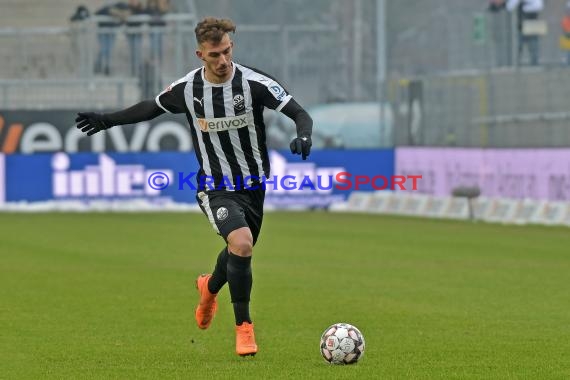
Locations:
(80, 39)
(81, 13)
(501, 27)
(151, 79)
(565, 38)
(107, 34)
(156, 9)
(528, 27)
(134, 35)
(496, 5)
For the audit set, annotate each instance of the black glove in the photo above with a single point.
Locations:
(92, 122)
(301, 145)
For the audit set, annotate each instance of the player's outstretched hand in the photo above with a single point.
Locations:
(91, 122)
(301, 145)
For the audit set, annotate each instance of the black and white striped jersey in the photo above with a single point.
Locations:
(226, 122)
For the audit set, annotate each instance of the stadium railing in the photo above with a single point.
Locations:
(95, 93)
(53, 67)
(313, 71)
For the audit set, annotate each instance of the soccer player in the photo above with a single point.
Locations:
(224, 103)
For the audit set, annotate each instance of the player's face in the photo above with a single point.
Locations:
(217, 59)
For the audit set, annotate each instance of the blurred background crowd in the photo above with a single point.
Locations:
(487, 73)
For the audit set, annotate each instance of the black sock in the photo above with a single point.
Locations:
(219, 275)
(240, 281)
(241, 312)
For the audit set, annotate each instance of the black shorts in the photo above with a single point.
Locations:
(229, 210)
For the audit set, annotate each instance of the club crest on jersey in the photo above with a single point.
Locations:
(239, 102)
(222, 213)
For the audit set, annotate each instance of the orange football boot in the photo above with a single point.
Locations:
(208, 305)
(245, 340)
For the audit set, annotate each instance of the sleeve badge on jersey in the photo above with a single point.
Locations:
(277, 91)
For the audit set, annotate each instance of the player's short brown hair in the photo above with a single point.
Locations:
(213, 29)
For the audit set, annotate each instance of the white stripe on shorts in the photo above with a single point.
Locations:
(206, 204)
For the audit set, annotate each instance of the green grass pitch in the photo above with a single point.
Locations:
(112, 296)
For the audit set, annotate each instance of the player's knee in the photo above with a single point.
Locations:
(242, 248)
(240, 242)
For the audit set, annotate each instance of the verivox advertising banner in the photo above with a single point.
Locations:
(30, 132)
(505, 173)
(330, 176)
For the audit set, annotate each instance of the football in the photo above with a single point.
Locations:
(342, 343)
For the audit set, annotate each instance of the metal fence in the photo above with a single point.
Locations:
(456, 77)
(499, 108)
(88, 93)
(438, 36)
(73, 55)
(289, 53)
(56, 66)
